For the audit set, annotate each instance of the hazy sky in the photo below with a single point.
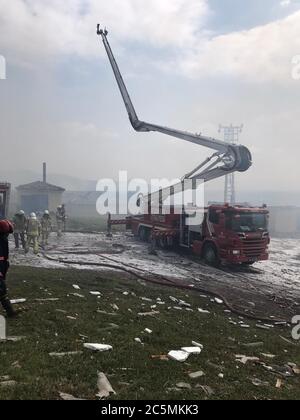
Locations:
(189, 64)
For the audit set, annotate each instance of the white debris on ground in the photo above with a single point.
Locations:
(18, 301)
(98, 347)
(104, 387)
(185, 352)
(178, 355)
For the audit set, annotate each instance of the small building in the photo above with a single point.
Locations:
(39, 196)
(285, 221)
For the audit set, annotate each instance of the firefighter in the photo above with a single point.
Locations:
(6, 228)
(33, 233)
(59, 221)
(20, 222)
(64, 216)
(46, 225)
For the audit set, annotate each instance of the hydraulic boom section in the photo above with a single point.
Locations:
(226, 159)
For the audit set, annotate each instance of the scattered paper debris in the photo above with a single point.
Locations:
(8, 384)
(203, 311)
(78, 295)
(244, 359)
(76, 287)
(184, 304)
(194, 343)
(173, 299)
(253, 345)
(98, 347)
(279, 383)
(104, 386)
(284, 371)
(18, 301)
(294, 368)
(183, 385)
(70, 353)
(207, 389)
(258, 383)
(262, 327)
(95, 293)
(268, 356)
(47, 300)
(196, 375)
(153, 313)
(219, 301)
(192, 350)
(162, 357)
(69, 397)
(148, 331)
(144, 299)
(178, 356)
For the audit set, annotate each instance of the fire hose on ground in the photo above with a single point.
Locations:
(164, 281)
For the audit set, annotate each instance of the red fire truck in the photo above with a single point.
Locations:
(226, 233)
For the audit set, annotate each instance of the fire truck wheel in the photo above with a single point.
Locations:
(143, 234)
(163, 243)
(210, 255)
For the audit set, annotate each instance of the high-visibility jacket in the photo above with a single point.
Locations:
(46, 224)
(33, 227)
(19, 222)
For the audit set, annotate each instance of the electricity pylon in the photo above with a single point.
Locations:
(231, 135)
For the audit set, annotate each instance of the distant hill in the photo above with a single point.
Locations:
(68, 182)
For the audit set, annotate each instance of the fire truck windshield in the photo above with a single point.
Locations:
(247, 222)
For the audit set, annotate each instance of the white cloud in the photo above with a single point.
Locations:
(34, 30)
(69, 27)
(285, 3)
(263, 53)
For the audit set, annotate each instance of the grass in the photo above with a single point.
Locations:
(129, 367)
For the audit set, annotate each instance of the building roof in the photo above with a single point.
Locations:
(40, 186)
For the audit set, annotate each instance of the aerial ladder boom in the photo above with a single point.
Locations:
(226, 159)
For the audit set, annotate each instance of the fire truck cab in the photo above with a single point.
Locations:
(232, 235)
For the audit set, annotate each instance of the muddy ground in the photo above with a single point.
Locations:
(268, 290)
